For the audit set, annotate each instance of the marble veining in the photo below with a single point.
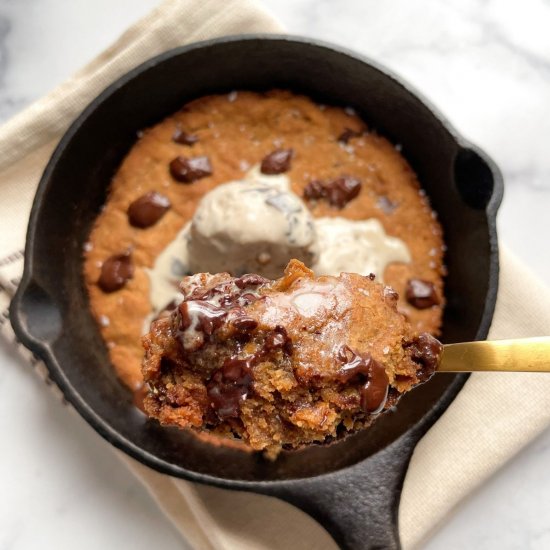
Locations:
(484, 63)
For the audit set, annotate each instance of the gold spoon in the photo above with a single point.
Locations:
(518, 355)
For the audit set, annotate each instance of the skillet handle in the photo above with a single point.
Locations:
(359, 505)
(477, 179)
(35, 317)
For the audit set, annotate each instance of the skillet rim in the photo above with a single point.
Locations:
(57, 372)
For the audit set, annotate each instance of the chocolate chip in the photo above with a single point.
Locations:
(229, 386)
(148, 209)
(250, 279)
(426, 351)
(314, 190)
(277, 162)
(188, 170)
(277, 339)
(337, 192)
(245, 323)
(347, 134)
(115, 271)
(343, 190)
(183, 138)
(421, 294)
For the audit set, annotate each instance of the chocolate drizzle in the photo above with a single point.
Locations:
(373, 377)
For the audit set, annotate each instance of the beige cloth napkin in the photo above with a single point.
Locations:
(493, 417)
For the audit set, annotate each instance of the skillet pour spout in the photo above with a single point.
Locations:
(351, 487)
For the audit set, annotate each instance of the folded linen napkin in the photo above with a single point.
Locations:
(493, 417)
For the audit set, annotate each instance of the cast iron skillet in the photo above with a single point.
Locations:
(352, 488)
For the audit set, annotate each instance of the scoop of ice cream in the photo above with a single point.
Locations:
(362, 247)
(254, 225)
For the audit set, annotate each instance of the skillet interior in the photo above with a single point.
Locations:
(51, 314)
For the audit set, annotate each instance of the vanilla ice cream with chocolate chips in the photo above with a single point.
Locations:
(251, 226)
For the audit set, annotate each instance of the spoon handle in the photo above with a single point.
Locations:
(518, 355)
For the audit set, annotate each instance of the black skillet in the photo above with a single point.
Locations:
(353, 487)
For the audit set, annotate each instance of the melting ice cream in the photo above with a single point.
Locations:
(256, 225)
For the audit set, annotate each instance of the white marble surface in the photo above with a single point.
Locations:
(486, 64)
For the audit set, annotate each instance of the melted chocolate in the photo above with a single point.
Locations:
(337, 192)
(116, 271)
(188, 170)
(277, 162)
(374, 390)
(148, 209)
(426, 351)
(196, 320)
(251, 279)
(278, 339)
(229, 386)
(183, 138)
(248, 298)
(209, 317)
(229, 294)
(245, 323)
(421, 294)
